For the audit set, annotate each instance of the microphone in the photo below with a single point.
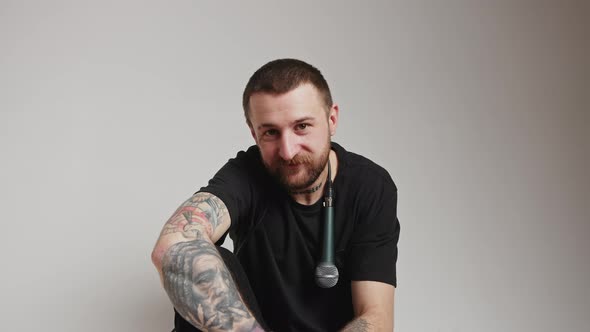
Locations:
(326, 273)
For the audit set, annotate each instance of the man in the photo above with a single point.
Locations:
(269, 199)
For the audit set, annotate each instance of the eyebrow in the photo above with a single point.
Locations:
(304, 119)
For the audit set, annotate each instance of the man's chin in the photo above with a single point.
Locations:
(297, 184)
(290, 186)
(297, 179)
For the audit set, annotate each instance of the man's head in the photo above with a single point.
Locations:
(283, 75)
(291, 117)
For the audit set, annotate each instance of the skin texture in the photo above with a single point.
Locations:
(358, 325)
(373, 306)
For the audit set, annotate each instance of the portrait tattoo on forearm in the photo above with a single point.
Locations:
(201, 212)
(202, 289)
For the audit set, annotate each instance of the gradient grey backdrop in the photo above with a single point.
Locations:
(114, 112)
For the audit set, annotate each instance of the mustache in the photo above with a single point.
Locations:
(298, 159)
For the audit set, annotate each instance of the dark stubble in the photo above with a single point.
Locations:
(312, 168)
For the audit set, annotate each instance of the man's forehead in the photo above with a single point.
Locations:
(303, 101)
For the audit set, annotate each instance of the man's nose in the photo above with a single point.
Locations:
(289, 146)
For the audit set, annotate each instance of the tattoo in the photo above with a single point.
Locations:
(201, 212)
(357, 325)
(307, 191)
(202, 289)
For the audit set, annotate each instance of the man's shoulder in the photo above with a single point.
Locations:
(252, 152)
(245, 165)
(361, 168)
(246, 159)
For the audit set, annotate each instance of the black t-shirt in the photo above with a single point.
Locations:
(278, 241)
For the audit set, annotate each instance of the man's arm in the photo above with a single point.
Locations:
(373, 307)
(193, 273)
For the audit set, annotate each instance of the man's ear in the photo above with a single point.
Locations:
(333, 119)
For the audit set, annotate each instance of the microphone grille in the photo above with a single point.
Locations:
(326, 275)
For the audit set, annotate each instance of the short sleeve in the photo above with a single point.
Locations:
(233, 185)
(373, 248)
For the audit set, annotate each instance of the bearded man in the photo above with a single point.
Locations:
(269, 200)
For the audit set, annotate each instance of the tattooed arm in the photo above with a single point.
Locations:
(193, 273)
(373, 307)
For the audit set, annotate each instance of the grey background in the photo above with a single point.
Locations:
(114, 112)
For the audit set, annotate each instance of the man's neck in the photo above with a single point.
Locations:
(314, 192)
(311, 190)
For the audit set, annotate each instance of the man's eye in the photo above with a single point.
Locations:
(302, 126)
(271, 132)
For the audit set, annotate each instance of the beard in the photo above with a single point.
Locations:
(300, 172)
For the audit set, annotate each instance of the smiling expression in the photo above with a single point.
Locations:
(293, 133)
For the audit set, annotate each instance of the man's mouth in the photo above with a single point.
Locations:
(292, 167)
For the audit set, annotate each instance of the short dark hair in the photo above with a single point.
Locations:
(281, 76)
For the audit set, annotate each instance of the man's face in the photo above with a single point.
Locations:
(293, 133)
